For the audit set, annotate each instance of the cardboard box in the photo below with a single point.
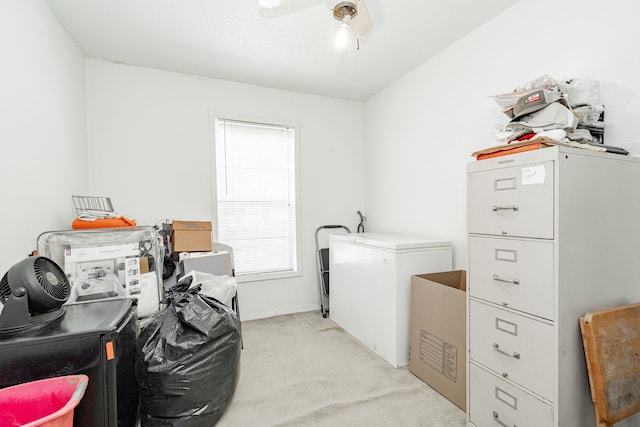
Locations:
(191, 236)
(144, 265)
(437, 337)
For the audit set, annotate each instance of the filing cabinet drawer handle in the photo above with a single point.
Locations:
(496, 208)
(500, 279)
(496, 418)
(497, 348)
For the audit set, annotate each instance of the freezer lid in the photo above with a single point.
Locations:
(390, 241)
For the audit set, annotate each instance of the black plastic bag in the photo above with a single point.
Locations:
(188, 361)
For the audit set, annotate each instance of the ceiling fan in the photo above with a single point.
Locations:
(353, 15)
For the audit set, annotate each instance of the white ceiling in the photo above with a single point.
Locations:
(234, 40)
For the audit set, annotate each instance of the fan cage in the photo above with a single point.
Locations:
(5, 289)
(52, 279)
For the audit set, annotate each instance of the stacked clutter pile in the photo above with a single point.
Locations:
(566, 112)
(583, 96)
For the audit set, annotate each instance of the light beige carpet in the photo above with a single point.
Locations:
(303, 370)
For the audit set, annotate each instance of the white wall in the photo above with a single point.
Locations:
(42, 127)
(149, 150)
(422, 129)
(149, 130)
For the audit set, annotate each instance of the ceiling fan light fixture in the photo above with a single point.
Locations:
(269, 4)
(345, 12)
(344, 32)
(343, 9)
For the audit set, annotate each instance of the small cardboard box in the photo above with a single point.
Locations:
(191, 236)
(438, 339)
(144, 265)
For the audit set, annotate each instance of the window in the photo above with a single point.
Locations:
(256, 196)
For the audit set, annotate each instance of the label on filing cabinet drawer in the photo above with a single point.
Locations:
(533, 175)
(515, 201)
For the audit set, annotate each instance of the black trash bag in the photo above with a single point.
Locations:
(188, 361)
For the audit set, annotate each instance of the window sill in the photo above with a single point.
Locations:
(259, 277)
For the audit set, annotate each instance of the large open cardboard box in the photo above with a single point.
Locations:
(438, 339)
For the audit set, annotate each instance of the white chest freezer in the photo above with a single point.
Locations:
(370, 276)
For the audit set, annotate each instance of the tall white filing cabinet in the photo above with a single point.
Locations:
(553, 233)
(370, 286)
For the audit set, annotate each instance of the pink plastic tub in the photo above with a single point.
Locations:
(46, 403)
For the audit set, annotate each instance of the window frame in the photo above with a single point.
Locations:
(214, 117)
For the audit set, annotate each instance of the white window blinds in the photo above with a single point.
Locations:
(255, 175)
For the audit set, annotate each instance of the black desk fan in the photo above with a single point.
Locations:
(32, 293)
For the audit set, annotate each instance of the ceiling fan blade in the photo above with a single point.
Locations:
(286, 7)
(361, 24)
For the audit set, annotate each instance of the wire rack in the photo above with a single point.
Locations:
(93, 206)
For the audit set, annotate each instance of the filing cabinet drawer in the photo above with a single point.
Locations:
(513, 273)
(515, 201)
(514, 346)
(494, 402)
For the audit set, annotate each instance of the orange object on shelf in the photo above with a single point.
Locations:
(80, 224)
